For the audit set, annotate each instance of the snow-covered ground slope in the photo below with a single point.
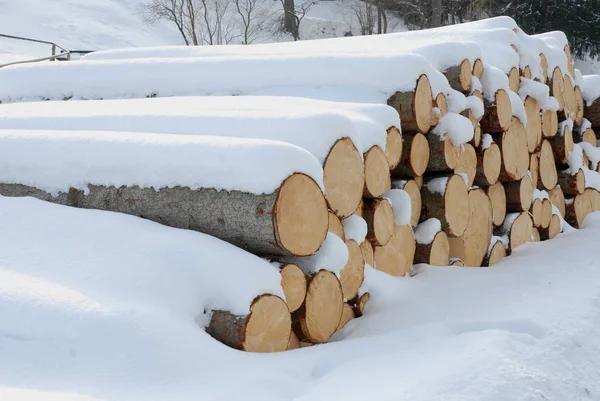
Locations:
(107, 308)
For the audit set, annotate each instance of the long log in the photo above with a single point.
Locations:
(414, 107)
(459, 76)
(415, 156)
(533, 128)
(592, 113)
(267, 328)
(443, 155)
(347, 316)
(377, 174)
(587, 135)
(517, 228)
(435, 253)
(515, 157)
(549, 123)
(547, 166)
(498, 114)
(379, 215)
(572, 184)
(446, 199)
(293, 283)
(519, 194)
(562, 144)
(318, 319)
(496, 252)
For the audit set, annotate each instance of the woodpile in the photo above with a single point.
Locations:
(466, 197)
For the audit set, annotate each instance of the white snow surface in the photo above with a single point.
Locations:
(310, 124)
(456, 127)
(486, 141)
(518, 108)
(590, 88)
(401, 205)
(592, 152)
(348, 76)
(474, 104)
(536, 90)
(332, 256)
(426, 231)
(355, 228)
(438, 185)
(492, 80)
(55, 161)
(140, 342)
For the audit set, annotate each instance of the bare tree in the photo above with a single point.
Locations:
(294, 14)
(169, 10)
(252, 16)
(366, 14)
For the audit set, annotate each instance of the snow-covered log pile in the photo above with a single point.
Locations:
(451, 146)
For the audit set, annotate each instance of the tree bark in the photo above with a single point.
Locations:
(414, 107)
(497, 116)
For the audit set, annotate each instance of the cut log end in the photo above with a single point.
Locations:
(403, 242)
(503, 109)
(343, 177)
(547, 166)
(293, 283)
(451, 207)
(526, 72)
(544, 66)
(353, 274)
(440, 250)
(546, 213)
(367, 251)
(534, 169)
(497, 196)
(549, 123)
(478, 68)
(533, 128)
(557, 198)
(379, 216)
(347, 316)
(377, 173)
(320, 315)
(489, 165)
(459, 77)
(361, 304)
(467, 163)
(515, 157)
(557, 87)
(416, 155)
(514, 79)
(579, 105)
(388, 260)
(519, 194)
(495, 255)
(477, 135)
(393, 147)
(552, 230)
(414, 107)
(335, 226)
(520, 231)
(300, 215)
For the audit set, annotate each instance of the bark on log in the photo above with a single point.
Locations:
(518, 230)
(361, 304)
(467, 163)
(547, 166)
(414, 193)
(546, 213)
(379, 216)
(393, 147)
(497, 196)
(562, 145)
(291, 221)
(353, 274)
(343, 177)
(514, 80)
(592, 113)
(459, 76)
(552, 230)
(572, 184)
(513, 146)
(443, 155)
(577, 208)
(558, 199)
(519, 195)
(549, 123)
(436, 253)
(533, 128)
(489, 164)
(415, 156)
(293, 283)
(557, 87)
(498, 114)
(588, 136)
(319, 317)
(335, 226)
(377, 173)
(414, 107)
(478, 68)
(450, 207)
(267, 328)
(495, 254)
(473, 245)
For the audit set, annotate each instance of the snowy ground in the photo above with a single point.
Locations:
(528, 328)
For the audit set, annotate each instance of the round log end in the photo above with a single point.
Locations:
(497, 253)
(335, 226)
(557, 197)
(367, 252)
(526, 193)
(466, 75)
(451, 153)
(477, 134)
(537, 210)
(514, 151)
(553, 228)
(269, 325)
(440, 250)
(520, 231)
(557, 88)
(393, 147)
(467, 163)
(546, 213)
(526, 73)
(549, 123)
(544, 65)
(389, 260)
(347, 316)
(589, 136)
(456, 199)
(344, 177)
(423, 102)
(442, 104)
(547, 166)
(514, 80)
(377, 173)
(414, 193)
(478, 68)
(353, 274)
(293, 283)
(383, 221)
(300, 215)
(419, 154)
(503, 109)
(534, 124)
(492, 163)
(323, 307)
(497, 197)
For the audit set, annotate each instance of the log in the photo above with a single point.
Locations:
(293, 283)
(570, 106)
(443, 155)
(440, 109)
(588, 135)
(415, 156)
(544, 66)
(534, 169)
(377, 174)
(579, 106)
(592, 113)
(456, 262)
(267, 328)
(498, 114)
(537, 212)
(436, 253)
(393, 147)
(496, 252)
(519, 194)
(335, 226)
(414, 192)
(535, 235)
(446, 199)
(557, 87)
(367, 252)
(549, 123)
(379, 215)
(489, 164)
(294, 343)
(546, 213)
(497, 196)
(558, 199)
(472, 247)
(414, 107)
(513, 146)
(477, 135)
(403, 242)
(459, 76)
(319, 317)
(571, 184)
(360, 209)
(533, 128)
(467, 163)
(353, 274)
(343, 177)
(291, 221)
(396, 257)
(547, 166)
(361, 304)
(517, 228)
(478, 68)
(514, 79)
(577, 208)
(526, 72)
(347, 316)
(552, 230)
